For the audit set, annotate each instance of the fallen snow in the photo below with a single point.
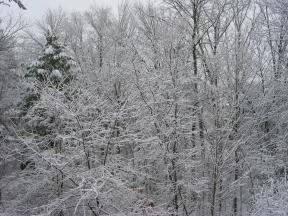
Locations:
(41, 71)
(56, 73)
(49, 50)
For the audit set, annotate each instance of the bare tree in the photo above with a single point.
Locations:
(18, 2)
(99, 19)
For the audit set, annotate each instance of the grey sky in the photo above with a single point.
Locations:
(36, 8)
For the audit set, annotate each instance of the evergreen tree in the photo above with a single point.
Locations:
(52, 71)
(54, 66)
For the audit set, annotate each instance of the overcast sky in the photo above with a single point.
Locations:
(36, 8)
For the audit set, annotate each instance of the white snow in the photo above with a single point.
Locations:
(41, 71)
(56, 73)
(36, 63)
(63, 55)
(49, 50)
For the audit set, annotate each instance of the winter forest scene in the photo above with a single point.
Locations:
(144, 107)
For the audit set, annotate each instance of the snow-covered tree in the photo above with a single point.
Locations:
(54, 67)
(18, 2)
(178, 109)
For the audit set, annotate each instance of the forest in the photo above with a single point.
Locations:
(171, 109)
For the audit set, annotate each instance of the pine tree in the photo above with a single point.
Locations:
(52, 71)
(54, 66)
